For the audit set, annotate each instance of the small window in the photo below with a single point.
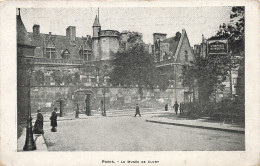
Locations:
(50, 52)
(65, 54)
(186, 56)
(50, 49)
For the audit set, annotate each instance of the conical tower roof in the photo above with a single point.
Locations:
(96, 22)
(22, 34)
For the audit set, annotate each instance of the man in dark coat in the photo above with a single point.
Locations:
(38, 126)
(77, 112)
(166, 107)
(176, 106)
(53, 119)
(181, 108)
(137, 110)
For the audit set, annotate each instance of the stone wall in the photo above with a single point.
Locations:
(43, 97)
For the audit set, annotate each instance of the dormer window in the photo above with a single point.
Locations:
(50, 50)
(65, 54)
(85, 55)
(85, 52)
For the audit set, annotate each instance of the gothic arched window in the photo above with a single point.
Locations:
(85, 52)
(65, 54)
(50, 49)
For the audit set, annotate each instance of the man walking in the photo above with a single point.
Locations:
(176, 106)
(137, 111)
(53, 119)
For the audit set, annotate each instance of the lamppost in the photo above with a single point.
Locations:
(104, 96)
(29, 141)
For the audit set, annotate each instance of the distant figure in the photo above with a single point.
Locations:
(166, 107)
(38, 126)
(137, 111)
(181, 108)
(77, 112)
(102, 108)
(176, 106)
(53, 119)
(99, 110)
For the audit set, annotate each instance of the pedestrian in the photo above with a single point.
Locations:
(99, 110)
(176, 106)
(183, 106)
(53, 119)
(102, 108)
(38, 126)
(181, 109)
(166, 107)
(137, 110)
(77, 112)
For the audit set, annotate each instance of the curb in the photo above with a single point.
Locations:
(202, 127)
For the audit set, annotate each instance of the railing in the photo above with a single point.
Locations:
(57, 61)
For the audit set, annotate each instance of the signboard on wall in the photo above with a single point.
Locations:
(217, 47)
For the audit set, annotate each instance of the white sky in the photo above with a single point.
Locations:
(196, 21)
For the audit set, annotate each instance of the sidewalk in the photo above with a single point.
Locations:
(203, 123)
(39, 141)
(68, 116)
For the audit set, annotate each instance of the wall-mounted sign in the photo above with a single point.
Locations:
(217, 47)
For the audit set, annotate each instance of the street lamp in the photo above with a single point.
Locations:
(104, 96)
(29, 142)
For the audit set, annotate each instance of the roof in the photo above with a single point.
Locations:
(96, 22)
(160, 34)
(22, 35)
(61, 43)
(173, 43)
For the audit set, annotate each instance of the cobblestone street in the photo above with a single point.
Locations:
(135, 134)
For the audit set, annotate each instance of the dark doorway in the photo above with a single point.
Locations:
(59, 104)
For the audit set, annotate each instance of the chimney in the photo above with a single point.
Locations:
(160, 36)
(178, 35)
(36, 29)
(71, 33)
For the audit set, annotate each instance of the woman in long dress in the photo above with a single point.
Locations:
(38, 126)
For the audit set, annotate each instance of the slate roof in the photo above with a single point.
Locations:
(173, 43)
(96, 22)
(22, 35)
(61, 43)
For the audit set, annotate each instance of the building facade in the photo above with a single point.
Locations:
(171, 55)
(68, 70)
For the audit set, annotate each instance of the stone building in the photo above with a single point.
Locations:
(24, 65)
(171, 55)
(71, 70)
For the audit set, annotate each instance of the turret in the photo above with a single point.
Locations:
(96, 27)
(95, 46)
